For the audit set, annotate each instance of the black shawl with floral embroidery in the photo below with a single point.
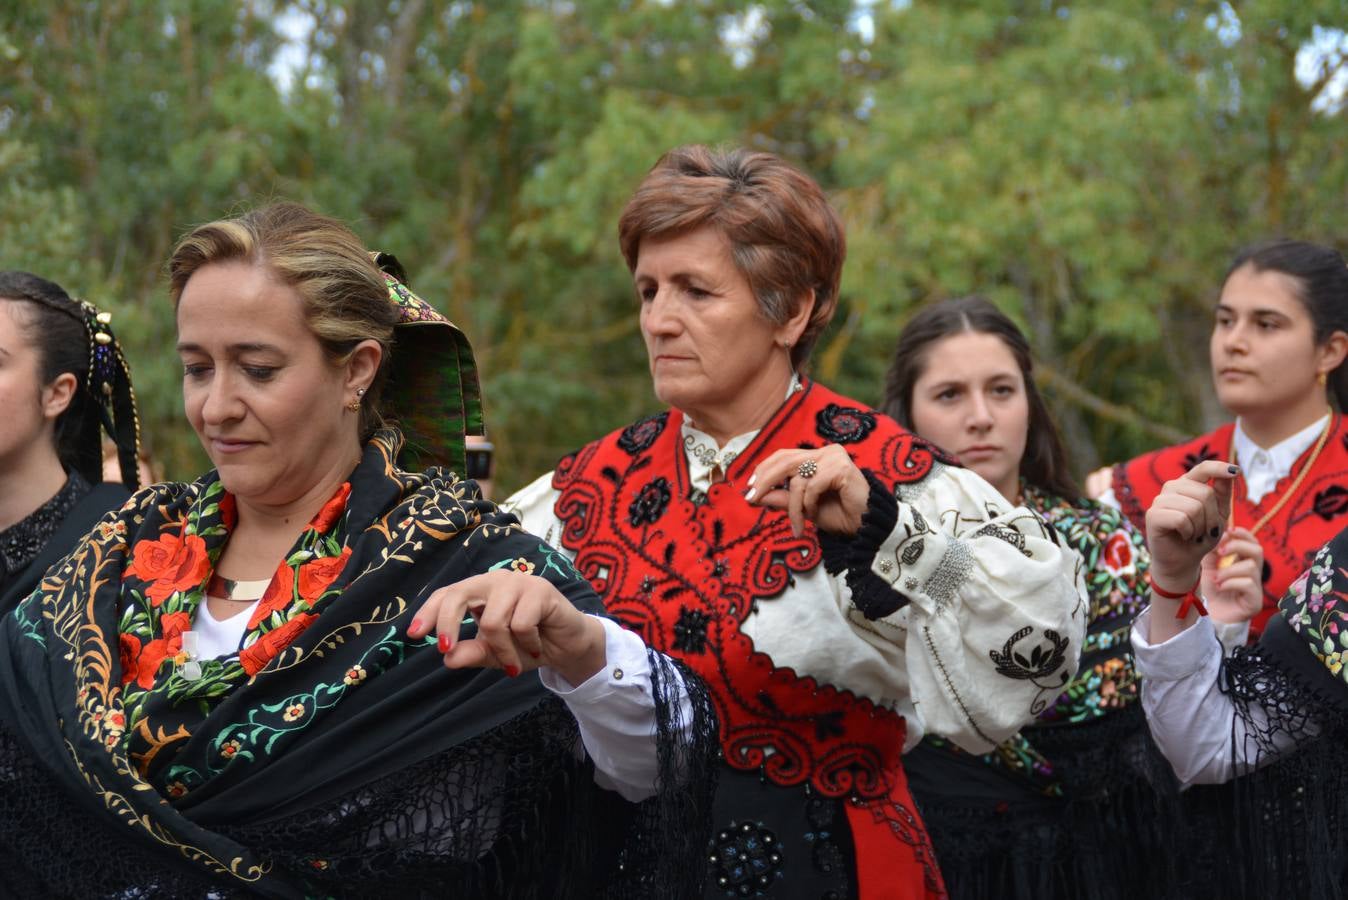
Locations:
(1283, 828)
(334, 756)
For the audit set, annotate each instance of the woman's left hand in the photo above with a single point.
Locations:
(523, 622)
(1234, 593)
(832, 493)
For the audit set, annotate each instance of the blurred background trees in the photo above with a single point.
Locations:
(1090, 166)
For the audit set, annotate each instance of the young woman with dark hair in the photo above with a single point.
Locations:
(61, 375)
(1043, 461)
(1064, 808)
(1277, 348)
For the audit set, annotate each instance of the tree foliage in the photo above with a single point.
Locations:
(1090, 166)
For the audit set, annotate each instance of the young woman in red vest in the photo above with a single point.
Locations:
(1278, 346)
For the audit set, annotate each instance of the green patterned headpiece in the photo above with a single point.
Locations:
(432, 394)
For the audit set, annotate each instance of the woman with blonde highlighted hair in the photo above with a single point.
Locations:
(238, 686)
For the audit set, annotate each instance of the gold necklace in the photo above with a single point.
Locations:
(1287, 494)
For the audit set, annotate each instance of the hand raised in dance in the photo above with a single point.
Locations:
(523, 622)
(1185, 522)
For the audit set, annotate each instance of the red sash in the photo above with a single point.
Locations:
(1291, 538)
(686, 575)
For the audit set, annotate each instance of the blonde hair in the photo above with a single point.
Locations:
(346, 299)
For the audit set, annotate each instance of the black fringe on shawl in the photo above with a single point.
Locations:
(1107, 837)
(514, 813)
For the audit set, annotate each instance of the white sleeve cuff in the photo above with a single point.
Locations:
(1183, 656)
(1232, 635)
(615, 712)
(625, 664)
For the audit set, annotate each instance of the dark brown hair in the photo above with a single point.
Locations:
(1044, 464)
(1321, 278)
(784, 237)
(56, 324)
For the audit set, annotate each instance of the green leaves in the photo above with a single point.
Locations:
(1089, 166)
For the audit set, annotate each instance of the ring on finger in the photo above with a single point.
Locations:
(807, 469)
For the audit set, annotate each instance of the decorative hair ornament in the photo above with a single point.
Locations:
(108, 383)
(432, 393)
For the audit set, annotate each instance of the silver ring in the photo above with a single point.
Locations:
(807, 469)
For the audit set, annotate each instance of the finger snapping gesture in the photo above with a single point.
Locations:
(1184, 524)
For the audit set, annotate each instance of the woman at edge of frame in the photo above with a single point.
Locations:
(63, 382)
(1268, 722)
(1277, 349)
(238, 686)
(842, 587)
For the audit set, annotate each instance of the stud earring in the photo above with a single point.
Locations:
(354, 405)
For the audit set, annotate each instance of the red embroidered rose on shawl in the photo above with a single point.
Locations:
(317, 576)
(277, 597)
(332, 510)
(175, 562)
(1117, 554)
(153, 654)
(256, 655)
(128, 646)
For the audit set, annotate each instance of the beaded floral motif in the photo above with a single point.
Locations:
(746, 860)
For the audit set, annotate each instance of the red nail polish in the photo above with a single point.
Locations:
(415, 626)
(445, 643)
(512, 671)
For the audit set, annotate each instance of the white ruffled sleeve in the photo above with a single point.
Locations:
(534, 505)
(987, 601)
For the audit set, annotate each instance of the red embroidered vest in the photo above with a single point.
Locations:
(685, 575)
(1291, 538)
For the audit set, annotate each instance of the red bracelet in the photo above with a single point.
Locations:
(1190, 598)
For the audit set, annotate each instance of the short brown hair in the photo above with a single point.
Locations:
(785, 238)
(346, 299)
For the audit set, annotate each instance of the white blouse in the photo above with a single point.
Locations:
(1195, 725)
(987, 583)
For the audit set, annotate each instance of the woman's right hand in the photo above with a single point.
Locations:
(1186, 521)
(523, 622)
(1098, 482)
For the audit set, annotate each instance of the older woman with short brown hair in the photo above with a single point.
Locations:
(841, 586)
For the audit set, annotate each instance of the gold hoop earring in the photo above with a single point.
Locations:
(1322, 379)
